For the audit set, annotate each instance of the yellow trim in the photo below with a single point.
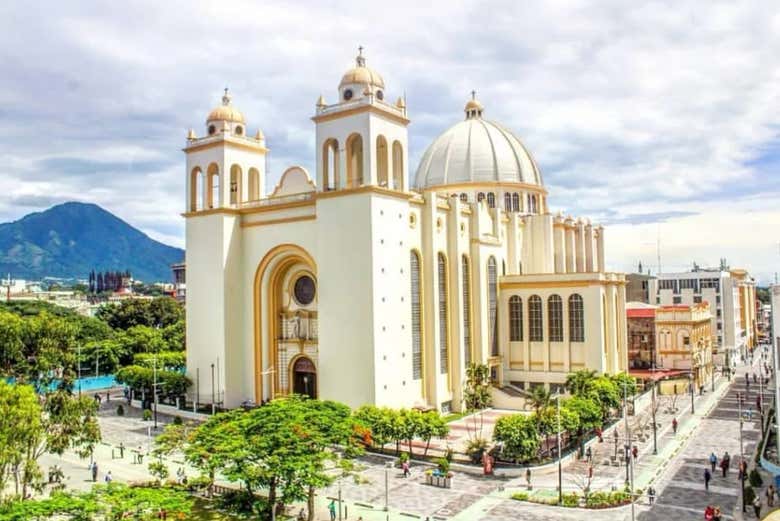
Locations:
(499, 184)
(364, 189)
(286, 173)
(330, 116)
(211, 211)
(560, 284)
(487, 242)
(279, 221)
(291, 384)
(222, 142)
(293, 253)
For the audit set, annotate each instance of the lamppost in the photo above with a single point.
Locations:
(741, 450)
(388, 465)
(774, 347)
(213, 406)
(560, 467)
(690, 386)
(78, 368)
(154, 387)
(629, 458)
(652, 406)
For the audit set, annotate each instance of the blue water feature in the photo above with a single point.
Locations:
(89, 383)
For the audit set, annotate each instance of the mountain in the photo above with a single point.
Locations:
(70, 239)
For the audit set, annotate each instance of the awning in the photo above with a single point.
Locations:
(657, 374)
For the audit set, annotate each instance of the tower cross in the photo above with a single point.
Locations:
(360, 50)
(473, 94)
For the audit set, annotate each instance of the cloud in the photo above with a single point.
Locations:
(638, 113)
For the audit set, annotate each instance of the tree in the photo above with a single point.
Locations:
(20, 426)
(431, 425)
(588, 411)
(548, 420)
(476, 392)
(519, 437)
(11, 327)
(48, 351)
(538, 399)
(605, 391)
(624, 381)
(381, 421)
(158, 313)
(578, 383)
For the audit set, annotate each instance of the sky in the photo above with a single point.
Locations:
(660, 120)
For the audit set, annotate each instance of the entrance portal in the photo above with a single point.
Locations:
(305, 377)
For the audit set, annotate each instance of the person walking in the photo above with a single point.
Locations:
(725, 463)
(94, 471)
(651, 494)
(757, 506)
(589, 455)
(405, 468)
(109, 478)
(635, 452)
(707, 478)
(332, 510)
(770, 496)
(528, 477)
(713, 461)
(674, 425)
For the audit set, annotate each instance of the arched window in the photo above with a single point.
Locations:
(398, 166)
(235, 184)
(464, 198)
(381, 160)
(491, 197)
(414, 274)
(492, 287)
(555, 318)
(535, 332)
(480, 197)
(515, 319)
(443, 322)
(330, 165)
(507, 201)
(212, 186)
(466, 310)
(196, 189)
(254, 184)
(576, 319)
(515, 202)
(354, 161)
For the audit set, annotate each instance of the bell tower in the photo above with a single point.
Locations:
(361, 139)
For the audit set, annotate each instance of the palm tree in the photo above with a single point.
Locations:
(578, 382)
(538, 399)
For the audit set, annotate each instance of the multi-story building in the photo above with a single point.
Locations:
(179, 281)
(727, 292)
(638, 287)
(640, 323)
(684, 340)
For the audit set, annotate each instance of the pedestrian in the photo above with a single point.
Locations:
(674, 425)
(94, 471)
(109, 478)
(725, 463)
(600, 434)
(405, 468)
(713, 461)
(121, 449)
(742, 470)
(716, 514)
(709, 513)
(651, 494)
(770, 496)
(635, 452)
(589, 455)
(108, 396)
(528, 477)
(755, 378)
(707, 478)
(757, 506)
(332, 510)
(301, 516)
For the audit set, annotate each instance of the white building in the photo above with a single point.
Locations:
(360, 287)
(729, 293)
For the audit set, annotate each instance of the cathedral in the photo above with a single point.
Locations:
(364, 285)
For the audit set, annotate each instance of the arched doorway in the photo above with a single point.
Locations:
(304, 377)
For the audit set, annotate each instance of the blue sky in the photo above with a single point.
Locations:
(655, 118)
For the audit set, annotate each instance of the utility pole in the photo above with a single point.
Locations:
(655, 438)
(693, 410)
(78, 370)
(629, 455)
(741, 450)
(560, 468)
(777, 389)
(213, 407)
(154, 385)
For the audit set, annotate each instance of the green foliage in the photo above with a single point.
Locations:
(519, 436)
(607, 499)
(606, 393)
(520, 496)
(405, 425)
(120, 410)
(547, 420)
(172, 383)
(159, 470)
(539, 398)
(170, 360)
(755, 478)
(476, 392)
(156, 313)
(587, 409)
(578, 383)
(443, 464)
(624, 381)
(31, 425)
(571, 500)
(147, 415)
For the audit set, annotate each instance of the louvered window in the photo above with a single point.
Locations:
(555, 318)
(492, 278)
(414, 260)
(466, 311)
(535, 332)
(443, 325)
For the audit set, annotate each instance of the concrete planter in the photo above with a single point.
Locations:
(438, 481)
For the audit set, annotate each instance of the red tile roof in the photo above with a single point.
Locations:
(640, 312)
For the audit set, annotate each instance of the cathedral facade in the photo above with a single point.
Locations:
(357, 285)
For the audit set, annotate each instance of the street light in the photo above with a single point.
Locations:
(629, 458)
(741, 450)
(213, 407)
(154, 386)
(690, 377)
(652, 407)
(560, 468)
(388, 466)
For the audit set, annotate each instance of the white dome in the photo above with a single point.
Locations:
(476, 151)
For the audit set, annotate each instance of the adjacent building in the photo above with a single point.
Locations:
(638, 286)
(731, 295)
(684, 340)
(363, 285)
(640, 322)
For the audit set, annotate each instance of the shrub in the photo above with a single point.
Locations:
(520, 496)
(177, 420)
(571, 500)
(147, 415)
(404, 457)
(158, 470)
(120, 410)
(444, 465)
(475, 448)
(755, 478)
